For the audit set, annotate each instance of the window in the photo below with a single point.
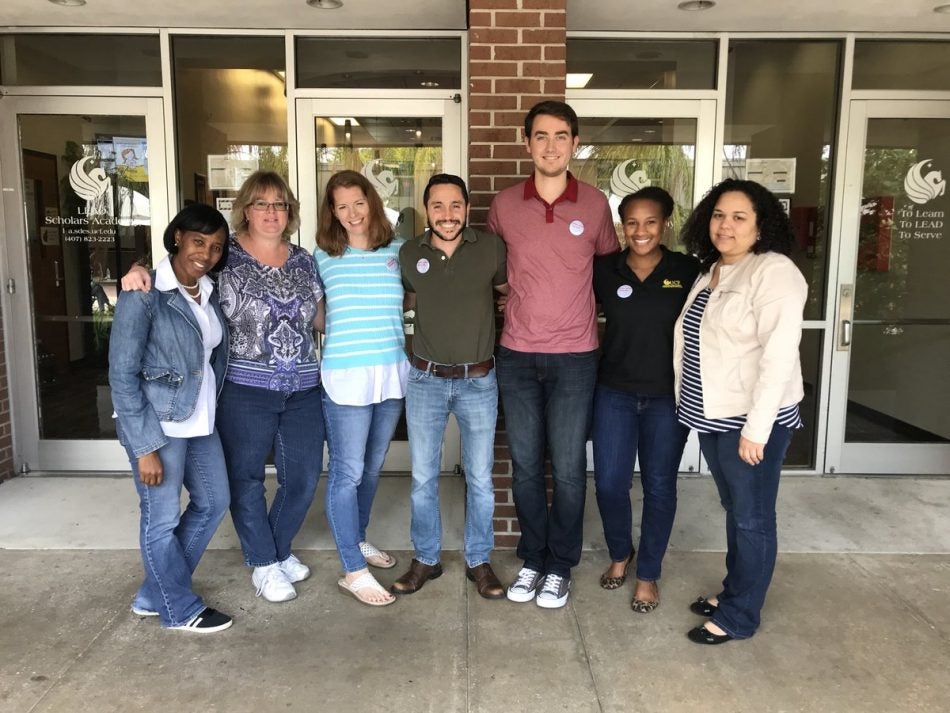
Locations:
(80, 60)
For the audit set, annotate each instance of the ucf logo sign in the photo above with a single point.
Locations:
(922, 188)
(922, 185)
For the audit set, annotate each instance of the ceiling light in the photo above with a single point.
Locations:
(342, 121)
(429, 84)
(325, 4)
(578, 80)
(696, 5)
(943, 9)
(69, 3)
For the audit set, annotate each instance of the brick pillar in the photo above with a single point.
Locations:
(516, 59)
(6, 440)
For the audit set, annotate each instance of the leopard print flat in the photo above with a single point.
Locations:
(608, 582)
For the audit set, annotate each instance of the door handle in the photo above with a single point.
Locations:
(56, 274)
(845, 340)
(845, 315)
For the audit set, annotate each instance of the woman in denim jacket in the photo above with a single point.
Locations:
(167, 357)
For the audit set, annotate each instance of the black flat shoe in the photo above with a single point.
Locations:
(702, 635)
(702, 607)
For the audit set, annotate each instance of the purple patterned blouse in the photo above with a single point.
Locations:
(270, 313)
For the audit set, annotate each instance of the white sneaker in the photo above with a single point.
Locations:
(295, 570)
(273, 584)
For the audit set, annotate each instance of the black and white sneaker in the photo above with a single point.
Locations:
(207, 621)
(554, 591)
(525, 585)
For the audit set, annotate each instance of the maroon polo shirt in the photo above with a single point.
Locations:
(551, 249)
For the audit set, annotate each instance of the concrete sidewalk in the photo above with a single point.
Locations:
(840, 633)
(843, 629)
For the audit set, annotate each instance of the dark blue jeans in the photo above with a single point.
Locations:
(627, 425)
(748, 494)
(547, 401)
(253, 422)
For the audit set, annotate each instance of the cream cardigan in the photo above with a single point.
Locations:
(748, 341)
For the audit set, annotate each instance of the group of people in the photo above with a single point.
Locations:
(207, 382)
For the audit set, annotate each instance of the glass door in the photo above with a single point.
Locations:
(397, 144)
(890, 384)
(84, 184)
(629, 144)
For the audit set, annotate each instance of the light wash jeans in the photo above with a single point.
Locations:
(429, 401)
(173, 541)
(358, 438)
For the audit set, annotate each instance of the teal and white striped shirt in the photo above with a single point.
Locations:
(364, 297)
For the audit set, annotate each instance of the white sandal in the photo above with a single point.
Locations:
(365, 581)
(375, 557)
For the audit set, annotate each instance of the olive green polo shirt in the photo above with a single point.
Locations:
(455, 299)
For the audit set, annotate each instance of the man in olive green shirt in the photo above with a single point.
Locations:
(451, 273)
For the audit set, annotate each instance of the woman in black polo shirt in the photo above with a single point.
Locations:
(642, 291)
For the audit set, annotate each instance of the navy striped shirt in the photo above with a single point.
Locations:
(690, 410)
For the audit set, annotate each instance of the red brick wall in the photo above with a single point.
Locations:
(6, 441)
(516, 59)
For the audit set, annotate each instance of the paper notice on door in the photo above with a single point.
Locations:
(776, 174)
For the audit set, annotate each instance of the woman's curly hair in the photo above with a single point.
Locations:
(770, 219)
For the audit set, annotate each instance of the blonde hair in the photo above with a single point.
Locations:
(331, 235)
(255, 186)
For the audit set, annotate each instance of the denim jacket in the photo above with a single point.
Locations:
(156, 363)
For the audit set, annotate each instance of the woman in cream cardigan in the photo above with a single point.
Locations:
(739, 383)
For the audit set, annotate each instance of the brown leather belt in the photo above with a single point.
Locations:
(453, 371)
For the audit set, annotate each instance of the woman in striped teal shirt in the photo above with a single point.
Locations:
(364, 367)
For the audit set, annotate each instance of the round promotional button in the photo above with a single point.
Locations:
(624, 291)
(576, 227)
(422, 266)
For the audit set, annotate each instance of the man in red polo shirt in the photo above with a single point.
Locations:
(546, 363)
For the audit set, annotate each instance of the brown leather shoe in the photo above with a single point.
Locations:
(417, 575)
(486, 582)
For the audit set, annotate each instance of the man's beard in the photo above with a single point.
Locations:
(462, 226)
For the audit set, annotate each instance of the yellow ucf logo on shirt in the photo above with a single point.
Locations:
(675, 284)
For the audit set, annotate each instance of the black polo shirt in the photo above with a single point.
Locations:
(455, 299)
(637, 348)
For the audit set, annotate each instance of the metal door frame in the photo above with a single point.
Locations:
(30, 452)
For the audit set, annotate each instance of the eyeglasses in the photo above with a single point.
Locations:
(263, 206)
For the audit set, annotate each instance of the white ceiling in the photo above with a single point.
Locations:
(583, 15)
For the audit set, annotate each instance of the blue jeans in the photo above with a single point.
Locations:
(626, 425)
(358, 438)
(253, 422)
(547, 401)
(429, 401)
(748, 494)
(173, 541)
